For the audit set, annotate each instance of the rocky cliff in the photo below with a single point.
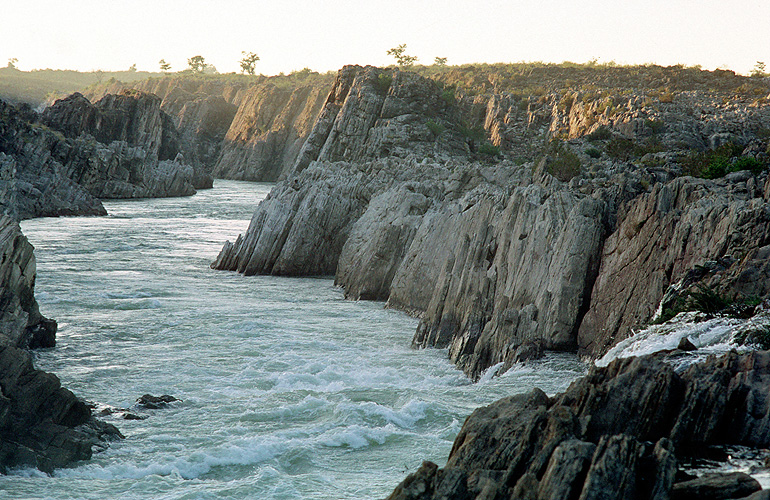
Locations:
(247, 128)
(42, 424)
(502, 258)
(133, 118)
(618, 433)
(267, 132)
(45, 173)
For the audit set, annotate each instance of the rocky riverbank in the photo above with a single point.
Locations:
(42, 424)
(618, 433)
(502, 259)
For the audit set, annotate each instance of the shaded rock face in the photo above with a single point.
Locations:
(33, 180)
(20, 319)
(41, 424)
(133, 118)
(663, 235)
(614, 434)
(374, 113)
(44, 173)
(267, 132)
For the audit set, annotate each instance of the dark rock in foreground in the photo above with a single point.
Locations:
(42, 424)
(613, 434)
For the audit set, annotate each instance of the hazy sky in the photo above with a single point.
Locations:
(325, 35)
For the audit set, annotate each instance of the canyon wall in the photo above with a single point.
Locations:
(502, 258)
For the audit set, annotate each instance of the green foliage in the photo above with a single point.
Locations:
(593, 152)
(475, 134)
(164, 66)
(249, 62)
(707, 300)
(600, 134)
(656, 126)
(623, 149)
(440, 61)
(759, 70)
(620, 148)
(383, 82)
(436, 128)
(719, 162)
(448, 96)
(196, 64)
(402, 59)
(12, 62)
(561, 162)
(489, 149)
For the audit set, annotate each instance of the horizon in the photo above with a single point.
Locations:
(323, 37)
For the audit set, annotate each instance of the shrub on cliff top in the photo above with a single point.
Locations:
(719, 162)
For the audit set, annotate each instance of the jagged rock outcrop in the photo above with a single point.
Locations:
(20, 319)
(133, 118)
(44, 173)
(503, 261)
(375, 113)
(663, 235)
(267, 132)
(615, 433)
(41, 423)
(33, 180)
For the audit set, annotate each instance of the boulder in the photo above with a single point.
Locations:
(613, 434)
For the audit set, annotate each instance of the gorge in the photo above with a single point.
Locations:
(604, 212)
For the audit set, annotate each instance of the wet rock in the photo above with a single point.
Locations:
(613, 434)
(155, 402)
(686, 345)
(716, 487)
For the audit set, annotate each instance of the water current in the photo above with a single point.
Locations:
(287, 389)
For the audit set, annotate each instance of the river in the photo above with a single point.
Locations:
(287, 389)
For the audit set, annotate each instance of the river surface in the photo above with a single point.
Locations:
(287, 389)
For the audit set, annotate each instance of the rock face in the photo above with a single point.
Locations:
(41, 423)
(267, 132)
(33, 180)
(43, 173)
(132, 118)
(615, 433)
(502, 259)
(375, 113)
(20, 319)
(663, 236)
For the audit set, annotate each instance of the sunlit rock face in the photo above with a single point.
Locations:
(267, 132)
(504, 259)
(375, 113)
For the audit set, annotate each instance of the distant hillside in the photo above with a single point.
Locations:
(35, 87)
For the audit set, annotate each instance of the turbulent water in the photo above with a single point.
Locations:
(287, 390)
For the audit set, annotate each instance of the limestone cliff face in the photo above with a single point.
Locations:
(20, 319)
(515, 276)
(267, 132)
(41, 423)
(44, 173)
(33, 180)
